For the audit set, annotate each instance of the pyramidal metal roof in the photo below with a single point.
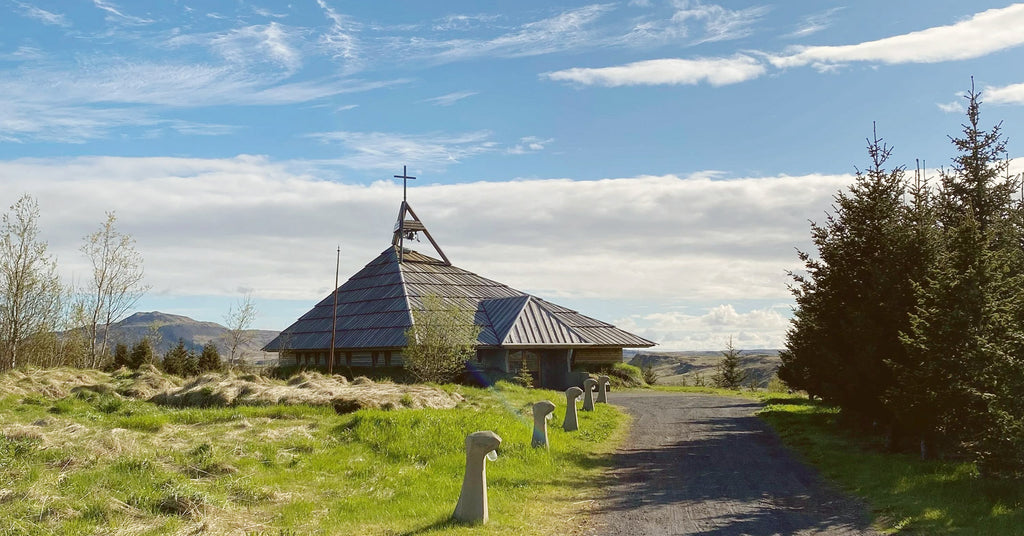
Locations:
(374, 308)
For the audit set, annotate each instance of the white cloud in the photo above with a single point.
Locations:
(712, 330)
(42, 15)
(529, 144)
(239, 46)
(720, 24)
(568, 30)
(114, 14)
(812, 24)
(952, 107)
(984, 33)
(450, 98)
(460, 22)
(340, 41)
(209, 226)
(382, 150)
(1012, 94)
(672, 71)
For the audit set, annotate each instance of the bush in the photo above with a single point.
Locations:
(649, 374)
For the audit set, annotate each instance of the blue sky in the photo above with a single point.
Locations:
(651, 163)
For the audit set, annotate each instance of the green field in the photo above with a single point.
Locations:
(907, 495)
(93, 463)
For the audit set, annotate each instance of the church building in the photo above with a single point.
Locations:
(372, 315)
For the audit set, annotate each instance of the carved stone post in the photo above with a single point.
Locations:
(472, 505)
(541, 414)
(588, 394)
(572, 395)
(602, 389)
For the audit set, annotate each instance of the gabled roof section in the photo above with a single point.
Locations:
(526, 321)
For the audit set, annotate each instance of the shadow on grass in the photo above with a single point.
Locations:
(441, 524)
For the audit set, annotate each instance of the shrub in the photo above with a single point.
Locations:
(650, 375)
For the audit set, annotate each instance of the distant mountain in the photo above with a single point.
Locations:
(683, 367)
(167, 329)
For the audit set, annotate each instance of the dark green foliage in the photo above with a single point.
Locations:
(963, 383)
(121, 356)
(523, 377)
(176, 360)
(210, 358)
(854, 301)
(730, 374)
(142, 354)
(913, 316)
(650, 375)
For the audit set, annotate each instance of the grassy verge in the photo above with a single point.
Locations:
(908, 496)
(98, 464)
(707, 391)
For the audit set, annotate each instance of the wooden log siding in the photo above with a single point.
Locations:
(597, 355)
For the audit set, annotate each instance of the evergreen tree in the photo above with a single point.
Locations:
(121, 356)
(191, 367)
(175, 360)
(210, 358)
(142, 354)
(854, 300)
(730, 374)
(963, 379)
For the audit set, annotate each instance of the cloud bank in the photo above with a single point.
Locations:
(208, 227)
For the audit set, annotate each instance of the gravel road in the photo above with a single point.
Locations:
(697, 464)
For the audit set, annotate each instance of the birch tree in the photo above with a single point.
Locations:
(239, 321)
(29, 286)
(116, 284)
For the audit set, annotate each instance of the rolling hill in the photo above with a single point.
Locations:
(676, 368)
(166, 329)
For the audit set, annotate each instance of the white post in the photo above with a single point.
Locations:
(588, 394)
(472, 505)
(602, 386)
(541, 414)
(572, 395)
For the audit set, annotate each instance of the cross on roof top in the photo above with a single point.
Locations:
(405, 181)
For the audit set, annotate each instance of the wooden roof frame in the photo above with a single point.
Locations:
(415, 225)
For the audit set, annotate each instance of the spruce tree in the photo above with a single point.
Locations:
(175, 360)
(962, 381)
(730, 374)
(142, 354)
(854, 300)
(209, 360)
(122, 358)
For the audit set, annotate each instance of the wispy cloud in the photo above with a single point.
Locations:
(812, 24)
(714, 71)
(719, 23)
(385, 150)
(984, 33)
(450, 98)
(270, 43)
(952, 107)
(42, 15)
(114, 14)
(529, 144)
(453, 23)
(1012, 94)
(565, 31)
(340, 40)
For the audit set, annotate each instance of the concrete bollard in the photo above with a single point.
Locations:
(541, 415)
(472, 505)
(588, 394)
(572, 395)
(602, 389)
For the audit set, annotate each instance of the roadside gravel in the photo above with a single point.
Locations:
(700, 464)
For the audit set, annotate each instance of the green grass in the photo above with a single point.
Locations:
(908, 495)
(96, 464)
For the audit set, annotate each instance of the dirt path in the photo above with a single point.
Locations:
(697, 464)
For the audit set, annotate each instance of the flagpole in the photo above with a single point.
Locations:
(334, 317)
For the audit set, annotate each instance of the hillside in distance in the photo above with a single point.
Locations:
(164, 330)
(677, 368)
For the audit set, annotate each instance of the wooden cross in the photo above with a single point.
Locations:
(405, 182)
